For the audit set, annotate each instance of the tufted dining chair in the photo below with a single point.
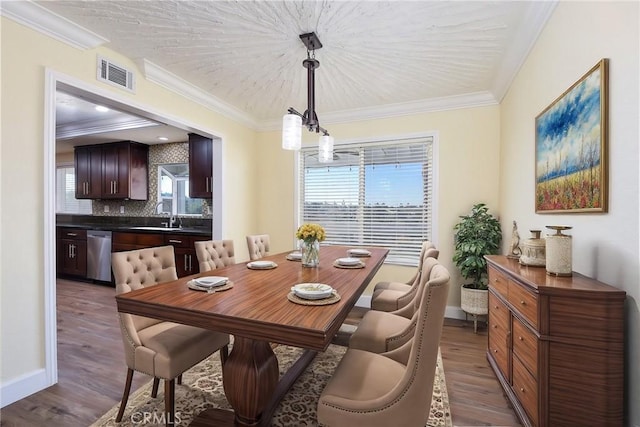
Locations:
(381, 331)
(393, 388)
(396, 296)
(258, 245)
(213, 254)
(154, 347)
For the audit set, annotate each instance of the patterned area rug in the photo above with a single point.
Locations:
(202, 388)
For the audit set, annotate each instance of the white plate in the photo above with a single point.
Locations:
(348, 261)
(261, 264)
(312, 290)
(358, 252)
(295, 255)
(211, 281)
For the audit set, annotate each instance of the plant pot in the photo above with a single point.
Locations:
(475, 302)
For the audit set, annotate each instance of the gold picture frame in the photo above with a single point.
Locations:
(571, 138)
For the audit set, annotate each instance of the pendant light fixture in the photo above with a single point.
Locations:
(293, 121)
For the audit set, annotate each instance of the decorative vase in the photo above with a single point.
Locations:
(534, 251)
(310, 253)
(558, 249)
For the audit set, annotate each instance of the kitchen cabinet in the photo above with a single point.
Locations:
(185, 252)
(200, 167)
(183, 246)
(126, 241)
(556, 344)
(72, 251)
(116, 170)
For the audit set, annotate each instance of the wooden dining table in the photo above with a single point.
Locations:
(258, 313)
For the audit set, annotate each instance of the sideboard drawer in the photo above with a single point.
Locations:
(498, 314)
(498, 282)
(525, 346)
(525, 302)
(499, 350)
(526, 388)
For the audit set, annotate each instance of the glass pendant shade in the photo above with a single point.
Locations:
(325, 149)
(291, 132)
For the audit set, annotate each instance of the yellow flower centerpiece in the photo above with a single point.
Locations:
(311, 235)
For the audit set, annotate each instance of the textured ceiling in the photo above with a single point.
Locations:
(375, 54)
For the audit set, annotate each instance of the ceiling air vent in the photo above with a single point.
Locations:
(116, 75)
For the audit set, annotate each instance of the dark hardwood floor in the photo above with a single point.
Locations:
(92, 370)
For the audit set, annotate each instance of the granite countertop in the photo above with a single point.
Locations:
(198, 231)
(193, 226)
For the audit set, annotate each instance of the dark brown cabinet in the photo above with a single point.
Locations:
(200, 167)
(556, 344)
(185, 253)
(72, 251)
(112, 171)
(125, 241)
(183, 247)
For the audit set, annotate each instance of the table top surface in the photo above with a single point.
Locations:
(257, 306)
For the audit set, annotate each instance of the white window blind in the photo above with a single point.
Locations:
(66, 201)
(372, 194)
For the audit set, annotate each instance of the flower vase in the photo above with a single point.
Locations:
(311, 253)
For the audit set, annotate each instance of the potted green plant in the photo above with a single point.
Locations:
(476, 235)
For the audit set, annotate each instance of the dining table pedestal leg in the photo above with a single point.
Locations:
(250, 375)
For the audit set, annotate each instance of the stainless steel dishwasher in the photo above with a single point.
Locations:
(99, 255)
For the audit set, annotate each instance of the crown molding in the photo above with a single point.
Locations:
(92, 127)
(534, 21)
(50, 24)
(168, 80)
(477, 99)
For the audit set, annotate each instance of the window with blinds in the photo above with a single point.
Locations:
(372, 194)
(66, 201)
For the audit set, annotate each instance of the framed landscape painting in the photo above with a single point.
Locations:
(571, 148)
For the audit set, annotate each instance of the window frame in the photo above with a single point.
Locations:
(88, 202)
(431, 233)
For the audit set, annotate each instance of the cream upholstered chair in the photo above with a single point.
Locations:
(258, 245)
(404, 286)
(213, 254)
(154, 347)
(393, 296)
(394, 388)
(380, 331)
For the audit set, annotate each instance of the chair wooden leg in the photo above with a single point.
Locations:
(224, 354)
(180, 379)
(154, 389)
(169, 407)
(125, 395)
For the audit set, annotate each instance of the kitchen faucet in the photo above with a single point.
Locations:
(172, 219)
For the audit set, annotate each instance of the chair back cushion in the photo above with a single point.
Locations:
(258, 246)
(214, 254)
(138, 269)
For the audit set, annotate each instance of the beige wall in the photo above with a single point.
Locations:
(467, 173)
(605, 246)
(25, 56)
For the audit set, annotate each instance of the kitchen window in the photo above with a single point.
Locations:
(372, 194)
(66, 201)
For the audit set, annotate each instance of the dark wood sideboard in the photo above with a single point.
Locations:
(556, 345)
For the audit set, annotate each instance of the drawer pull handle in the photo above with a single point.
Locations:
(495, 306)
(522, 389)
(495, 351)
(175, 241)
(495, 326)
(520, 338)
(522, 302)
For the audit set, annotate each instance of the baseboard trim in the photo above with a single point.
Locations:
(23, 386)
